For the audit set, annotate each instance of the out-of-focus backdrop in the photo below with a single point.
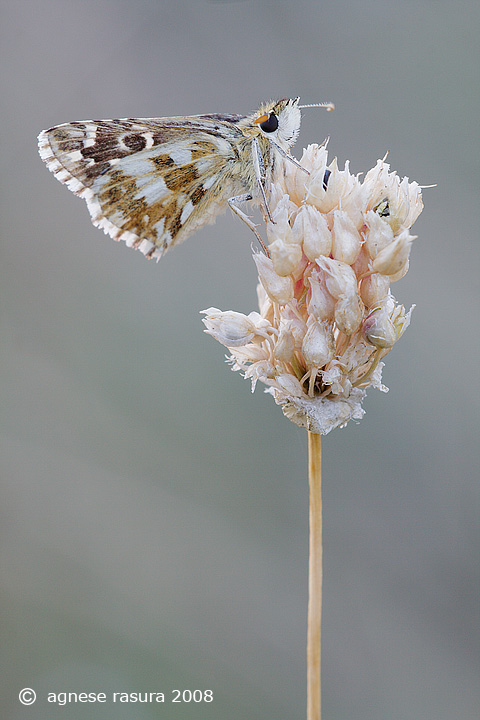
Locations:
(154, 512)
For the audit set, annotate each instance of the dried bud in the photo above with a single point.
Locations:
(285, 256)
(400, 202)
(320, 303)
(374, 288)
(361, 266)
(311, 228)
(289, 385)
(318, 346)
(349, 313)
(346, 238)
(280, 229)
(379, 234)
(340, 278)
(401, 273)
(279, 289)
(405, 204)
(285, 345)
(313, 157)
(379, 330)
(296, 325)
(393, 258)
(232, 329)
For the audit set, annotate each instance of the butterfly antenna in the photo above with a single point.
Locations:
(329, 106)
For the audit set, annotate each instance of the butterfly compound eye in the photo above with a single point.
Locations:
(271, 124)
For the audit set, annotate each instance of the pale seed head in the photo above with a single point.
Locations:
(326, 315)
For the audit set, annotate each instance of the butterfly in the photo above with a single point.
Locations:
(152, 182)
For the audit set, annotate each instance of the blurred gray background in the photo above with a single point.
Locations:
(154, 512)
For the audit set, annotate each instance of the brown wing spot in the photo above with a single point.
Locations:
(201, 148)
(65, 142)
(119, 190)
(162, 162)
(134, 142)
(166, 134)
(197, 195)
(179, 178)
(174, 224)
(93, 171)
(112, 194)
(105, 148)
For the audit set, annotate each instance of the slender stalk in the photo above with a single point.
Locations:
(314, 577)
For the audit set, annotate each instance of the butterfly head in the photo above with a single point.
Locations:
(279, 121)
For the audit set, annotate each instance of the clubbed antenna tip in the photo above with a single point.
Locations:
(329, 106)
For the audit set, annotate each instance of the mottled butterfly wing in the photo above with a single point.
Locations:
(148, 182)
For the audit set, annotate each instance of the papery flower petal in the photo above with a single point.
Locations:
(314, 159)
(354, 203)
(401, 319)
(347, 242)
(349, 313)
(264, 302)
(393, 258)
(311, 228)
(262, 371)
(379, 330)
(285, 256)
(296, 325)
(230, 328)
(374, 287)
(340, 278)
(285, 345)
(327, 186)
(247, 354)
(320, 303)
(280, 201)
(405, 204)
(355, 357)
(401, 201)
(318, 346)
(379, 234)
(361, 266)
(376, 378)
(401, 273)
(280, 228)
(279, 289)
(413, 205)
(288, 385)
(337, 380)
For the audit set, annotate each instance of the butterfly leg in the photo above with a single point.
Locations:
(259, 168)
(234, 205)
(288, 156)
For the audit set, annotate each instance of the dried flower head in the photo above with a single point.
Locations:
(327, 316)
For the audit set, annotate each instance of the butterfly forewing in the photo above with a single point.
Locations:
(152, 182)
(148, 182)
